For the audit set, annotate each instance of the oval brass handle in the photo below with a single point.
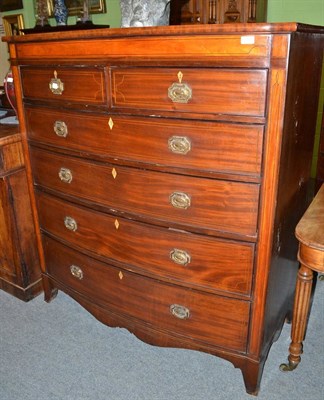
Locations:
(180, 92)
(56, 85)
(180, 257)
(65, 175)
(60, 128)
(180, 200)
(76, 271)
(70, 224)
(179, 144)
(179, 311)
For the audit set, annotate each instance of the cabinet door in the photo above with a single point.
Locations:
(19, 264)
(222, 11)
(8, 255)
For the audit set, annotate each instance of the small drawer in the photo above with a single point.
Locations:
(194, 260)
(201, 90)
(176, 200)
(190, 145)
(196, 315)
(66, 85)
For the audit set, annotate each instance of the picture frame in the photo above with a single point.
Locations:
(10, 5)
(75, 7)
(13, 24)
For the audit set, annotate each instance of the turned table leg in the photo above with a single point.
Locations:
(300, 315)
(309, 233)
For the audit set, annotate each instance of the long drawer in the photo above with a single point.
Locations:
(65, 85)
(201, 316)
(230, 49)
(199, 90)
(203, 146)
(188, 201)
(186, 258)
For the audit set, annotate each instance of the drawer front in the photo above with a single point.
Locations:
(200, 90)
(192, 259)
(203, 146)
(65, 85)
(225, 49)
(191, 202)
(200, 316)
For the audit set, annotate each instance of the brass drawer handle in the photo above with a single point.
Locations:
(65, 175)
(180, 92)
(179, 311)
(76, 271)
(60, 128)
(70, 224)
(56, 85)
(180, 257)
(179, 144)
(180, 200)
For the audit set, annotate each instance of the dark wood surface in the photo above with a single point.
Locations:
(115, 222)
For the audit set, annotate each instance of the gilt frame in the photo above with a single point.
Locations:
(75, 7)
(13, 24)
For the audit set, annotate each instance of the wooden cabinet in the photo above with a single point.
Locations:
(20, 272)
(169, 167)
(217, 11)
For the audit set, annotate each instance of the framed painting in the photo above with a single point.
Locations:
(75, 7)
(13, 24)
(9, 5)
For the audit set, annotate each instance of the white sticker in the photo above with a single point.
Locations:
(247, 39)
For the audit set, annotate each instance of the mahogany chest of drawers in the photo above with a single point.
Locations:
(169, 167)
